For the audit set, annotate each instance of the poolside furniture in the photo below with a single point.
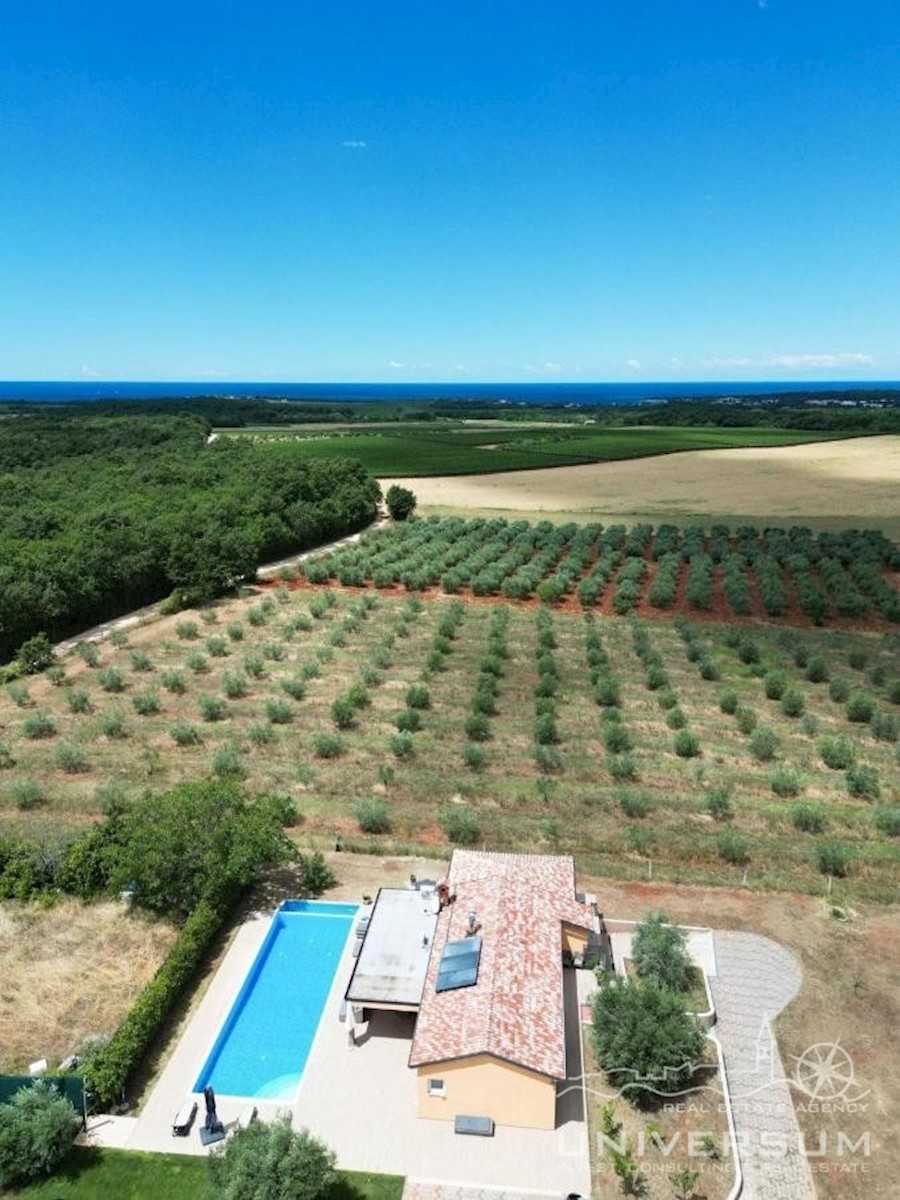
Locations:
(475, 1126)
(184, 1118)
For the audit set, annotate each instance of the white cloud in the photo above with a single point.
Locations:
(89, 373)
(795, 361)
(725, 362)
(633, 364)
(354, 145)
(397, 366)
(547, 368)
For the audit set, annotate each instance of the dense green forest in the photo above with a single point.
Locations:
(101, 514)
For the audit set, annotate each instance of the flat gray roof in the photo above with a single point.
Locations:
(394, 957)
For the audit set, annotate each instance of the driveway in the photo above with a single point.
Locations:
(756, 979)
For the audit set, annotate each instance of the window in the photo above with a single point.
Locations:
(436, 1087)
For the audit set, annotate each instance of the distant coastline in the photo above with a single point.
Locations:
(523, 394)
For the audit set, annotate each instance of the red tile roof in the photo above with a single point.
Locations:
(515, 1010)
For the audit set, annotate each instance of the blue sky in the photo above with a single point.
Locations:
(475, 190)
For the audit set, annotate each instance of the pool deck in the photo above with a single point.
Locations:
(360, 1099)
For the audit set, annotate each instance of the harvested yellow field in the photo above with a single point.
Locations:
(841, 483)
(68, 972)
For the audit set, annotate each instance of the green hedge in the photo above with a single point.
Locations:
(108, 1073)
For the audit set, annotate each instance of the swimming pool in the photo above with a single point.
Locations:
(263, 1045)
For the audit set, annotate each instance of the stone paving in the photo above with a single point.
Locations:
(758, 978)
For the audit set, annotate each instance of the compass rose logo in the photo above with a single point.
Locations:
(825, 1072)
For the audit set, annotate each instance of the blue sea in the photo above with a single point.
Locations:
(62, 392)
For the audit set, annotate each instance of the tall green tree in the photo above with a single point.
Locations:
(271, 1161)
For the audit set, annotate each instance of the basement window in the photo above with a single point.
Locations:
(437, 1087)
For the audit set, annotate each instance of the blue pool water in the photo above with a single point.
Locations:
(263, 1045)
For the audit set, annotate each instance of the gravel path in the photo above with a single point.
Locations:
(757, 978)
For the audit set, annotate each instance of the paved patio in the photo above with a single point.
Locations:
(757, 979)
(361, 1100)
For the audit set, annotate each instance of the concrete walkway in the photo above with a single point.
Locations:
(758, 978)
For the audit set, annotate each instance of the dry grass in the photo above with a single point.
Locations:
(70, 971)
(840, 484)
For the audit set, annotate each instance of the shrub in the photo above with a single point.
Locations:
(235, 631)
(111, 1067)
(785, 783)
(548, 758)
(188, 631)
(39, 725)
(418, 696)
(78, 700)
(474, 756)
(733, 847)
(858, 659)
(545, 731)
(728, 701)
(807, 818)
(88, 653)
(659, 953)
(174, 682)
(408, 720)
(461, 826)
(112, 725)
(746, 719)
(234, 685)
(839, 690)
(477, 727)
(893, 691)
(146, 704)
(260, 734)
(809, 725)
(372, 816)
(634, 804)
(255, 667)
(775, 683)
(273, 650)
(709, 670)
(295, 688)
(197, 663)
(227, 763)
(686, 744)
(675, 719)
(617, 739)
(111, 680)
(748, 651)
(358, 695)
(278, 711)
(38, 1128)
(57, 675)
(210, 617)
(327, 745)
(402, 744)
(622, 767)
(212, 708)
(27, 794)
(71, 758)
(817, 670)
(216, 646)
(657, 678)
(837, 753)
(184, 734)
(343, 712)
(718, 803)
(400, 502)
(793, 702)
(887, 820)
(140, 661)
(666, 699)
(642, 1032)
(862, 782)
(607, 692)
(860, 708)
(833, 858)
(763, 744)
(6, 758)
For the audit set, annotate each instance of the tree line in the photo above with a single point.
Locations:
(104, 514)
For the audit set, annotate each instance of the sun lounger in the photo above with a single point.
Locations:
(184, 1118)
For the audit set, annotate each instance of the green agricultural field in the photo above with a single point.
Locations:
(422, 449)
(692, 753)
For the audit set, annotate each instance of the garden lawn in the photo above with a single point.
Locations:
(91, 1174)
